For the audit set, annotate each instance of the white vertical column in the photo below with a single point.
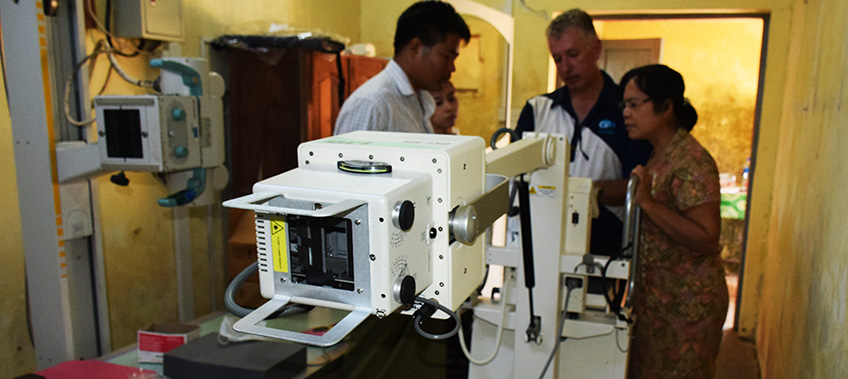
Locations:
(182, 257)
(548, 244)
(59, 334)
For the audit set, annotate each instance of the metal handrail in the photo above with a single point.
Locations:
(631, 234)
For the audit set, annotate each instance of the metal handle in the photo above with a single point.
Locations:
(258, 202)
(630, 240)
(333, 336)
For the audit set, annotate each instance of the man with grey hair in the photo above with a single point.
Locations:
(586, 110)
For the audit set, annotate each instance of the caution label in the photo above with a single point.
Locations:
(546, 191)
(279, 247)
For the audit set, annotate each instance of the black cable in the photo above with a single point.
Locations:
(622, 253)
(617, 295)
(106, 81)
(3, 67)
(610, 301)
(341, 89)
(559, 336)
(427, 309)
(497, 135)
(485, 279)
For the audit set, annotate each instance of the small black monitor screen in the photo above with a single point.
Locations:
(123, 133)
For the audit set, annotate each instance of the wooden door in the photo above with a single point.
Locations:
(619, 56)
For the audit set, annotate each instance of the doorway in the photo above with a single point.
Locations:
(720, 58)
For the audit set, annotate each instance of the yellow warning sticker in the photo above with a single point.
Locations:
(546, 191)
(279, 246)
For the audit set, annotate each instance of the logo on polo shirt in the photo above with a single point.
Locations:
(606, 126)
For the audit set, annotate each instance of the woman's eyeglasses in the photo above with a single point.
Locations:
(631, 103)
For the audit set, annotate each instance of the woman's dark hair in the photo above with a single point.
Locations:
(430, 21)
(662, 83)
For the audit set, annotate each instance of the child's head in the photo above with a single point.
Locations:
(447, 107)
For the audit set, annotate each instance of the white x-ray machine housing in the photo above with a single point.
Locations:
(370, 220)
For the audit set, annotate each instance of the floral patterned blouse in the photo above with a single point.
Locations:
(681, 298)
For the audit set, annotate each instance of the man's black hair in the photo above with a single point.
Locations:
(430, 21)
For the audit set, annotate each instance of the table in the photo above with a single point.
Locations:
(320, 361)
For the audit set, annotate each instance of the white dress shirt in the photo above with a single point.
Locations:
(387, 102)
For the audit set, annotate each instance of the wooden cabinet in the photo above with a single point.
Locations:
(280, 99)
(357, 70)
(327, 87)
(276, 101)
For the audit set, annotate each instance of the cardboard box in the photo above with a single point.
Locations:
(157, 339)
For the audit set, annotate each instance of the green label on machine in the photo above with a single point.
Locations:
(279, 246)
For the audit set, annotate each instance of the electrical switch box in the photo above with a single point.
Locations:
(160, 20)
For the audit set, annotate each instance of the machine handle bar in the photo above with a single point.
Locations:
(248, 324)
(631, 238)
(259, 202)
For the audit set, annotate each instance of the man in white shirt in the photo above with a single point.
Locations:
(397, 99)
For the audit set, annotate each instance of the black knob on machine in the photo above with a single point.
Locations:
(403, 215)
(405, 290)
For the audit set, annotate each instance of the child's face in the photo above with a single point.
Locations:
(447, 108)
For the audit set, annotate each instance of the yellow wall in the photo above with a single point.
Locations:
(720, 62)
(480, 102)
(803, 323)
(16, 352)
(138, 235)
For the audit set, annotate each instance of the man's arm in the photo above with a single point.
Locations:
(612, 192)
(526, 121)
(637, 153)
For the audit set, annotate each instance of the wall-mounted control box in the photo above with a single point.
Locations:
(160, 20)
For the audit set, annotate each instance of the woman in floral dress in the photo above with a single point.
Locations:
(681, 299)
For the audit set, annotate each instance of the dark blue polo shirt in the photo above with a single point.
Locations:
(605, 121)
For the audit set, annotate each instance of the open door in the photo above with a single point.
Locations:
(620, 55)
(720, 58)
